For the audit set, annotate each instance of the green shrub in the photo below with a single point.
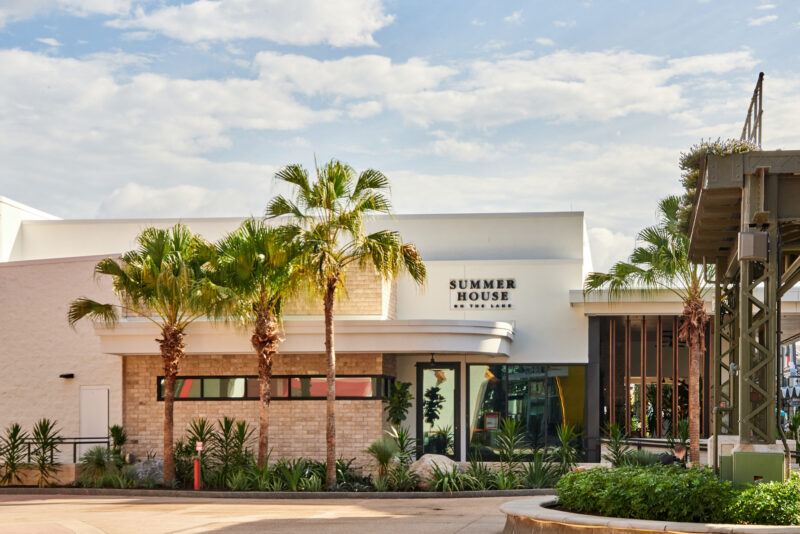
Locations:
(481, 476)
(510, 441)
(505, 480)
(449, 480)
(312, 483)
(401, 478)
(640, 457)
(769, 503)
(95, 464)
(382, 484)
(667, 493)
(12, 452)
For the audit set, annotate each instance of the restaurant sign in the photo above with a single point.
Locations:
(482, 293)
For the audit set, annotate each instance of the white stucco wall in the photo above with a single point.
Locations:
(37, 344)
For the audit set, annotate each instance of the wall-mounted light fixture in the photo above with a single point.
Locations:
(433, 360)
(67, 375)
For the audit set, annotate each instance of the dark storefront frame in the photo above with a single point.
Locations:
(619, 345)
(588, 415)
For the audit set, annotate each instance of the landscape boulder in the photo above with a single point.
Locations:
(424, 468)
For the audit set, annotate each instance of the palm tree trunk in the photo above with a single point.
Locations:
(172, 347)
(265, 342)
(692, 332)
(695, 354)
(330, 421)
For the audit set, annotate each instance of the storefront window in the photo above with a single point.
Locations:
(281, 387)
(540, 397)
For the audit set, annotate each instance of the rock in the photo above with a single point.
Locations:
(149, 470)
(424, 468)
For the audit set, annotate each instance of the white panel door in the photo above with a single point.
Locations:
(93, 419)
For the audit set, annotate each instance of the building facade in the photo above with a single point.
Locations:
(500, 329)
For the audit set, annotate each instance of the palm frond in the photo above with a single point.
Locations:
(84, 307)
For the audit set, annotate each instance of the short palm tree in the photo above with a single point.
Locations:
(257, 265)
(661, 262)
(326, 218)
(165, 280)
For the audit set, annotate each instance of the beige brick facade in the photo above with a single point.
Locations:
(365, 293)
(297, 427)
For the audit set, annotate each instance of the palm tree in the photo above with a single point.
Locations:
(165, 280)
(257, 265)
(326, 218)
(661, 262)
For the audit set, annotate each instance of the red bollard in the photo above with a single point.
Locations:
(196, 473)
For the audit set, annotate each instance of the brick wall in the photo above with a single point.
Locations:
(297, 428)
(365, 293)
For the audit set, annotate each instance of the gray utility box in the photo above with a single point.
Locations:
(753, 246)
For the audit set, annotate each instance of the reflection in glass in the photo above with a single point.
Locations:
(540, 397)
(438, 411)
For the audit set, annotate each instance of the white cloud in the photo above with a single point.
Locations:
(564, 23)
(760, 21)
(137, 36)
(713, 63)
(478, 22)
(353, 76)
(67, 120)
(766, 6)
(48, 41)
(460, 150)
(544, 41)
(364, 110)
(609, 247)
(136, 200)
(14, 10)
(515, 18)
(299, 22)
(493, 45)
(563, 86)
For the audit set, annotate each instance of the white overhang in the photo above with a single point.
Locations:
(137, 337)
(632, 302)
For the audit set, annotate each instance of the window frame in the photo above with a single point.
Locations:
(383, 386)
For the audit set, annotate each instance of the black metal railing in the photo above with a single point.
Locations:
(67, 442)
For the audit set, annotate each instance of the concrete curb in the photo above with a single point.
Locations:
(529, 516)
(189, 494)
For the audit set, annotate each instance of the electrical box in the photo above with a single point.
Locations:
(753, 246)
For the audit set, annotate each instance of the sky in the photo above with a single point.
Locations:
(127, 108)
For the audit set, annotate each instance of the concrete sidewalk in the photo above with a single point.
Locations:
(62, 514)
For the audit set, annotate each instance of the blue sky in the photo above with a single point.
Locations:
(122, 108)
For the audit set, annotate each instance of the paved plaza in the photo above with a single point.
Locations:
(61, 514)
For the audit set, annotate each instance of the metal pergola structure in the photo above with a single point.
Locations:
(744, 199)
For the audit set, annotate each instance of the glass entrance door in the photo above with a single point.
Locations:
(438, 411)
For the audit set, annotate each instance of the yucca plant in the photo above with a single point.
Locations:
(505, 480)
(616, 446)
(312, 483)
(383, 450)
(539, 473)
(326, 221)
(292, 473)
(510, 441)
(406, 445)
(95, 464)
(13, 452)
(46, 439)
(482, 476)
(566, 455)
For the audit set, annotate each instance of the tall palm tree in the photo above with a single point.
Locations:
(326, 218)
(165, 280)
(661, 262)
(258, 266)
